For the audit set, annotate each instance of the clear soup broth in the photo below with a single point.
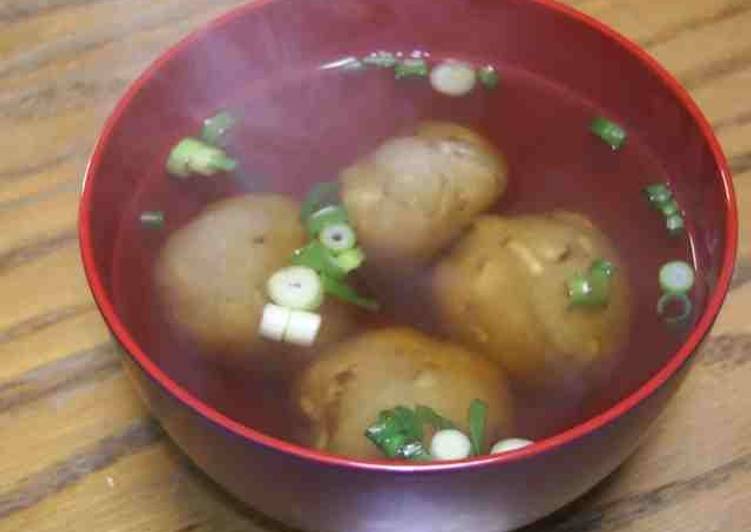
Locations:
(306, 126)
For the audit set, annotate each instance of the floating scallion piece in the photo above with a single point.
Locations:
(677, 277)
(337, 237)
(478, 412)
(350, 260)
(591, 289)
(328, 216)
(343, 291)
(488, 76)
(152, 219)
(675, 308)
(380, 59)
(610, 132)
(658, 194)
(675, 224)
(670, 208)
(398, 434)
(322, 195)
(315, 255)
(411, 67)
(216, 128)
(192, 156)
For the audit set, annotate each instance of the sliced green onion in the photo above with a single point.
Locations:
(428, 416)
(488, 76)
(669, 208)
(478, 412)
(192, 156)
(338, 237)
(591, 289)
(348, 63)
(603, 267)
(331, 215)
(675, 308)
(350, 260)
(677, 277)
(658, 194)
(675, 224)
(314, 255)
(380, 59)
(296, 288)
(411, 67)
(321, 195)
(610, 132)
(398, 434)
(580, 290)
(152, 219)
(346, 293)
(216, 128)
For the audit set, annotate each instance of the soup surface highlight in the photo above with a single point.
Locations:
(305, 127)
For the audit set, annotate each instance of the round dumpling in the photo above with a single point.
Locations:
(211, 275)
(342, 393)
(502, 290)
(415, 194)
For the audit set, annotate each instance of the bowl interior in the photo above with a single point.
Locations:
(301, 128)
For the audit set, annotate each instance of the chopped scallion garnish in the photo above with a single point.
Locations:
(331, 215)
(675, 308)
(315, 255)
(488, 76)
(478, 412)
(380, 59)
(350, 260)
(322, 195)
(675, 224)
(216, 128)
(411, 67)
(610, 132)
(591, 289)
(192, 156)
(658, 194)
(398, 434)
(677, 277)
(337, 237)
(669, 208)
(152, 219)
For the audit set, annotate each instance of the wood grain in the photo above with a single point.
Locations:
(77, 449)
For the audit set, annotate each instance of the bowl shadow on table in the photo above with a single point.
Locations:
(228, 513)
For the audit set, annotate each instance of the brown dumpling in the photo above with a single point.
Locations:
(502, 291)
(342, 393)
(414, 194)
(211, 275)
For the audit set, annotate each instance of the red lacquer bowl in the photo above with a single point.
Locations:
(315, 491)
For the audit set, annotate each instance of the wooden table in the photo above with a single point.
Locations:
(77, 449)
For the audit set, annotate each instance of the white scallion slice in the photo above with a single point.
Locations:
(274, 321)
(338, 237)
(296, 288)
(453, 78)
(450, 444)
(510, 444)
(677, 277)
(303, 328)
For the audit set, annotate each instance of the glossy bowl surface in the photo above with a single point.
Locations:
(317, 491)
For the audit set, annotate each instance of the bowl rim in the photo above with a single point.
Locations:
(545, 446)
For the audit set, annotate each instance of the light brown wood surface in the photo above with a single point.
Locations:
(77, 449)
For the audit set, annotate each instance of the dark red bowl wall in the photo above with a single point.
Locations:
(253, 46)
(484, 498)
